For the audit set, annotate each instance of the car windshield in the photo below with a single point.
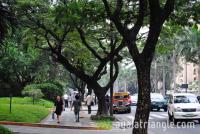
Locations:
(185, 99)
(121, 97)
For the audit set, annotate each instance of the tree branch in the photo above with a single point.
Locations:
(82, 36)
(115, 17)
(168, 8)
(115, 75)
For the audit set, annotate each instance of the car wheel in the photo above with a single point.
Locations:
(158, 109)
(129, 110)
(151, 109)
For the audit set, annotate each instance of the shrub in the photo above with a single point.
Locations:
(35, 93)
(50, 90)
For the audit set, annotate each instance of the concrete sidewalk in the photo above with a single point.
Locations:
(68, 118)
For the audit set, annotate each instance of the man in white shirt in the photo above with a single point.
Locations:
(88, 101)
(70, 100)
(66, 100)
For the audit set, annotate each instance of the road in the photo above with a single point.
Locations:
(158, 123)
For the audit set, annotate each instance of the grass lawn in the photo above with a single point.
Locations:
(26, 100)
(104, 124)
(23, 110)
(4, 130)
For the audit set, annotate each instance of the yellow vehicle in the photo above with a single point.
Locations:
(121, 102)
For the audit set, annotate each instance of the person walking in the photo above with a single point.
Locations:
(88, 101)
(70, 100)
(66, 100)
(107, 103)
(58, 107)
(76, 104)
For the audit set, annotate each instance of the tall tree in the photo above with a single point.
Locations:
(73, 32)
(129, 25)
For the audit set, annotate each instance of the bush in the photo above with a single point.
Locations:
(35, 93)
(50, 90)
(4, 130)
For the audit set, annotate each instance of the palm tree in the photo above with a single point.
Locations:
(189, 47)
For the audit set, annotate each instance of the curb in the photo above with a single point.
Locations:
(47, 126)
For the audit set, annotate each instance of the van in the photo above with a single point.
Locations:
(183, 106)
(121, 102)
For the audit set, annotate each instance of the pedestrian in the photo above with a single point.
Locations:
(88, 101)
(107, 103)
(76, 104)
(66, 100)
(70, 100)
(58, 107)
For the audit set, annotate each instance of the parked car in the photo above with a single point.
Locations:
(158, 102)
(183, 106)
(121, 102)
(134, 99)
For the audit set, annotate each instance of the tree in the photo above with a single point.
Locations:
(156, 12)
(67, 30)
(21, 64)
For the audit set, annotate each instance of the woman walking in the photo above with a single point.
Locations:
(59, 107)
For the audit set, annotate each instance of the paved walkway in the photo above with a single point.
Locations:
(68, 119)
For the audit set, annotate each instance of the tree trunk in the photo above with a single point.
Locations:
(102, 110)
(143, 105)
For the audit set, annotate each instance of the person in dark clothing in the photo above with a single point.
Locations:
(58, 107)
(107, 103)
(76, 104)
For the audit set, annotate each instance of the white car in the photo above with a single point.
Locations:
(183, 106)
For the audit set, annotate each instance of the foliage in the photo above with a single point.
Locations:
(35, 93)
(8, 19)
(188, 44)
(50, 90)
(18, 66)
(186, 12)
(4, 130)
